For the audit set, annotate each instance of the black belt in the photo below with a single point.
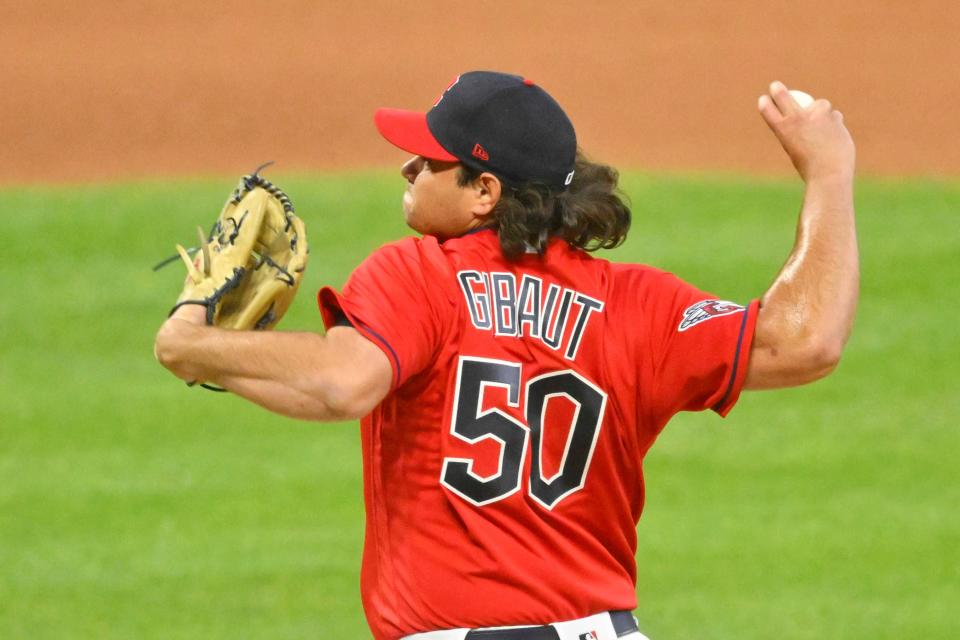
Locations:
(623, 624)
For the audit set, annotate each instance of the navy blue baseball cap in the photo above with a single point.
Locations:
(494, 122)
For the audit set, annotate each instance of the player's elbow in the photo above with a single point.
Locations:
(815, 357)
(820, 357)
(345, 401)
(348, 396)
(792, 363)
(353, 375)
(791, 348)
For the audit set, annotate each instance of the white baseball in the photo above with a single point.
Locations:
(803, 99)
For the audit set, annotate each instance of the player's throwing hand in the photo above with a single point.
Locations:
(815, 137)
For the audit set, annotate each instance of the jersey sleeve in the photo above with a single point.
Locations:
(392, 300)
(699, 344)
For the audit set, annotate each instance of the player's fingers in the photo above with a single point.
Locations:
(782, 99)
(823, 105)
(838, 115)
(769, 111)
(204, 265)
(192, 271)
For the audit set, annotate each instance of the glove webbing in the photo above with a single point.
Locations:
(249, 183)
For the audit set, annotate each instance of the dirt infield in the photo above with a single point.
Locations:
(99, 90)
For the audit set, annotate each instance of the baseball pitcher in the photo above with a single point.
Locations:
(508, 382)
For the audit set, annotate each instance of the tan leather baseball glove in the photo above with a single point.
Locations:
(246, 271)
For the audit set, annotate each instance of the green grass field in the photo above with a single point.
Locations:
(133, 507)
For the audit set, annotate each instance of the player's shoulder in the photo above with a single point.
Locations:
(481, 240)
(406, 253)
(410, 264)
(644, 276)
(408, 246)
(483, 245)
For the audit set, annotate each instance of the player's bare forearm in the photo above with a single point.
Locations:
(807, 313)
(303, 375)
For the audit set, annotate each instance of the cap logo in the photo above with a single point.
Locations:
(480, 152)
(568, 179)
(450, 86)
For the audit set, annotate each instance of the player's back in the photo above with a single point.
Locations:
(502, 473)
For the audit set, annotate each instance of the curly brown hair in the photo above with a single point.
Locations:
(591, 214)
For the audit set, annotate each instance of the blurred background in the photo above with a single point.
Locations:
(101, 90)
(133, 507)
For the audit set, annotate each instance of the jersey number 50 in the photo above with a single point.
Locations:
(471, 424)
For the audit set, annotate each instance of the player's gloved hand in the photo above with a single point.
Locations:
(246, 271)
(249, 267)
(815, 138)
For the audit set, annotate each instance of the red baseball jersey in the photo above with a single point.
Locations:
(502, 473)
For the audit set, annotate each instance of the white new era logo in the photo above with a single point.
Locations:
(565, 183)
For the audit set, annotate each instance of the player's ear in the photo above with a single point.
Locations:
(487, 192)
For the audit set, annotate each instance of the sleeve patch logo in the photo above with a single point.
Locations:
(707, 310)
